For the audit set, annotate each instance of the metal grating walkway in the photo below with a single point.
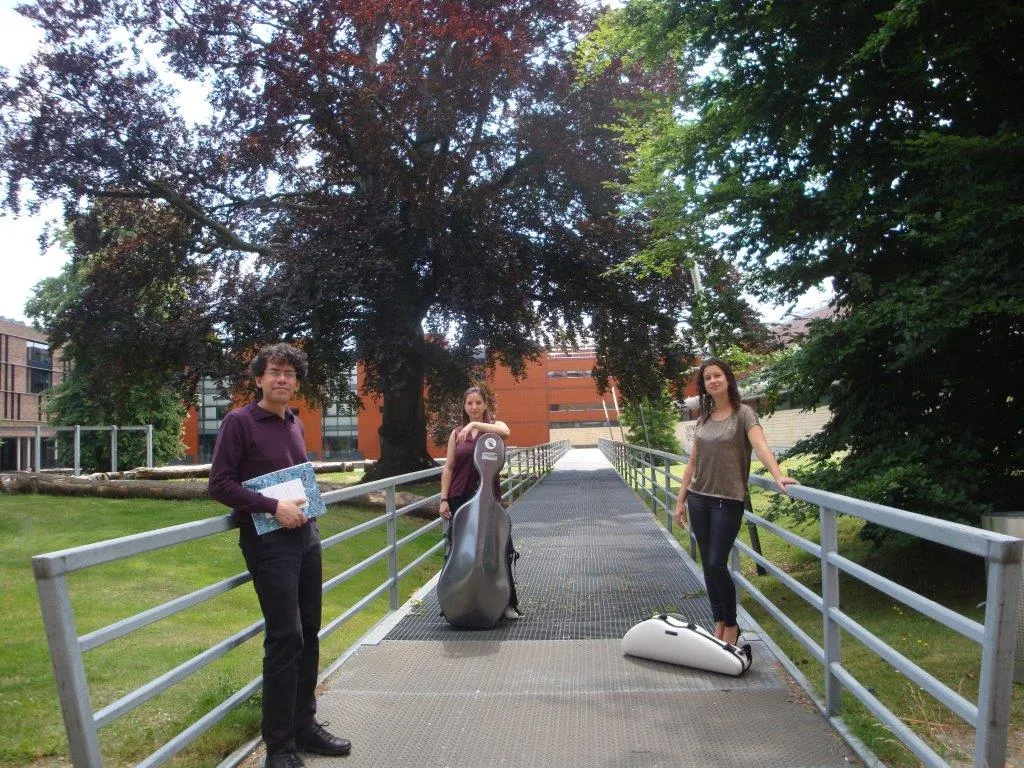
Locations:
(553, 688)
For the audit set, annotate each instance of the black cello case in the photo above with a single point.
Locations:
(474, 589)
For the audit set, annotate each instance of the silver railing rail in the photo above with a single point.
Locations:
(48, 431)
(650, 473)
(523, 468)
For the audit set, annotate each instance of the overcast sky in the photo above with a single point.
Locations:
(22, 263)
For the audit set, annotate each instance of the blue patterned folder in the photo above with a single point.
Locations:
(289, 483)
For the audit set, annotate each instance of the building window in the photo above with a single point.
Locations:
(570, 374)
(38, 354)
(341, 447)
(206, 448)
(39, 380)
(40, 374)
(340, 428)
(213, 407)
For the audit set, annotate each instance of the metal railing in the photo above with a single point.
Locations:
(523, 468)
(649, 472)
(48, 431)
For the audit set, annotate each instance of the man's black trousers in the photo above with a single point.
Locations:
(287, 572)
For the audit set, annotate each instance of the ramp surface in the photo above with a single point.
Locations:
(553, 688)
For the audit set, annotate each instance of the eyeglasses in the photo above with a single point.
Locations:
(277, 373)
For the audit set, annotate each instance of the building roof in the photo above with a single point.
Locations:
(794, 330)
(9, 327)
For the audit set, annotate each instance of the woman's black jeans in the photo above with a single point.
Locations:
(715, 522)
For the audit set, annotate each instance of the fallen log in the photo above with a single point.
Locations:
(188, 471)
(173, 472)
(100, 484)
(60, 485)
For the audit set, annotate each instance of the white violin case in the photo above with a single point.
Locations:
(671, 638)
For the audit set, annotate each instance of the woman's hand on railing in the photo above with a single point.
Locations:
(782, 481)
(680, 511)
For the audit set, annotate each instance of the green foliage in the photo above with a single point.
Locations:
(130, 314)
(77, 401)
(652, 422)
(873, 145)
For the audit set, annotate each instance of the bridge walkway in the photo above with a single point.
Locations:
(553, 690)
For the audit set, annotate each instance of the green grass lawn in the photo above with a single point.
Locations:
(31, 731)
(947, 576)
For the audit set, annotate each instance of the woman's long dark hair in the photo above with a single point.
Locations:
(705, 401)
(488, 417)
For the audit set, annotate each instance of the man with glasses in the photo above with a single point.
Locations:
(286, 564)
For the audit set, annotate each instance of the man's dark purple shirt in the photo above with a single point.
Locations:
(252, 442)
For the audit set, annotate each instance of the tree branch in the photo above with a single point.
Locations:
(193, 211)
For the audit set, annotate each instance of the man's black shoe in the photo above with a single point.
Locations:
(317, 740)
(286, 758)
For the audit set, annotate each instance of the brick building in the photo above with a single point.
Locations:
(556, 399)
(27, 369)
(330, 433)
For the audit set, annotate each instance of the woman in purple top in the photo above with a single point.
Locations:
(460, 479)
(715, 483)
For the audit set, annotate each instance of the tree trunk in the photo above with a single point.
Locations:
(172, 472)
(403, 429)
(60, 485)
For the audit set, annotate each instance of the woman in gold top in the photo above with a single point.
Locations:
(715, 483)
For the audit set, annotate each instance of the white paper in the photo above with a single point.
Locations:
(286, 491)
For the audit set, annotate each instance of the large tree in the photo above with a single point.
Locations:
(879, 145)
(390, 182)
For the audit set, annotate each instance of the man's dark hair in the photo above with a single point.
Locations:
(280, 353)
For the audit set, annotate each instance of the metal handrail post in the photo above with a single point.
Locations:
(389, 500)
(668, 493)
(519, 457)
(512, 478)
(654, 484)
(113, 448)
(995, 688)
(830, 600)
(78, 449)
(68, 669)
(149, 445)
